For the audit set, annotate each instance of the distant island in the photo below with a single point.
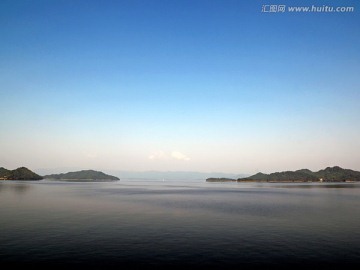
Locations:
(84, 175)
(330, 174)
(21, 173)
(213, 179)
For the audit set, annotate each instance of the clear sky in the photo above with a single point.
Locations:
(185, 85)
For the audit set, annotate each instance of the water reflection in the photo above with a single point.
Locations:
(18, 188)
(337, 185)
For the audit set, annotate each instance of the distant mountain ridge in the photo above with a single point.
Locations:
(173, 175)
(330, 174)
(21, 173)
(82, 175)
(151, 175)
(221, 179)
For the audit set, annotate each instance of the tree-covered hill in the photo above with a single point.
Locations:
(21, 173)
(282, 177)
(82, 175)
(337, 174)
(330, 174)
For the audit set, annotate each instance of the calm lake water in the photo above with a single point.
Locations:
(133, 224)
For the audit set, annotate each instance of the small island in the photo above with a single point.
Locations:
(21, 173)
(84, 175)
(330, 174)
(220, 180)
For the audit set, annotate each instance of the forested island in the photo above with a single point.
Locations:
(330, 174)
(83, 175)
(21, 173)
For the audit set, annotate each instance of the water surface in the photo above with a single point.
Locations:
(148, 224)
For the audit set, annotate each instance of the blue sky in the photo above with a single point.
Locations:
(178, 85)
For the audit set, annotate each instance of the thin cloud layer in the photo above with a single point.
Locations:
(161, 155)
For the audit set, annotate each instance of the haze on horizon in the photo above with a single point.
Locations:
(178, 86)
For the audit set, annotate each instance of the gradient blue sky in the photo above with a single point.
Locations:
(178, 85)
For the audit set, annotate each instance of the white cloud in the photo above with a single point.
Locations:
(179, 156)
(158, 155)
